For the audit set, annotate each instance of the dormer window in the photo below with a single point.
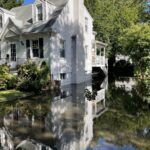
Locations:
(1, 21)
(39, 12)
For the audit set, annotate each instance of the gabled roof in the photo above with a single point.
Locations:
(23, 13)
(7, 11)
(11, 27)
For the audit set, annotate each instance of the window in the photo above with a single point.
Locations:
(63, 94)
(86, 24)
(98, 51)
(13, 52)
(63, 76)
(35, 48)
(62, 48)
(86, 51)
(0, 52)
(1, 21)
(102, 52)
(39, 13)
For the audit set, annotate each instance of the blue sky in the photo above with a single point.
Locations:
(28, 1)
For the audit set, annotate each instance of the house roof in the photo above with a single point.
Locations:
(23, 13)
(45, 25)
(7, 11)
(57, 2)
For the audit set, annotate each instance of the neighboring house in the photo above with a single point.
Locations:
(57, 31)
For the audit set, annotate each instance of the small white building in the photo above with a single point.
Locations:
(57, 31)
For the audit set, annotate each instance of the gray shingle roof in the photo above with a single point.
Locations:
(57, 2)
(46, 25)
(23, 13)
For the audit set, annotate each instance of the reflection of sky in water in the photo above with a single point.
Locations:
(103, 145)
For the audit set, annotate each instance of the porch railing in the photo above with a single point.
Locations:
(99, 61)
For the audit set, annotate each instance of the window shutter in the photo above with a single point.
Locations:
(41, 44)
(28, 48)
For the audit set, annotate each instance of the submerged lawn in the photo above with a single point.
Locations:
(10, 95)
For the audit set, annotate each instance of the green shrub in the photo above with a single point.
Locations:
(4, 76)
(12, 82)
(33, 78)
(7, 80)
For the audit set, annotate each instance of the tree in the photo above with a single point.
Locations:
(8, 4)
(145, 16)
(135, 42)
(112, 16)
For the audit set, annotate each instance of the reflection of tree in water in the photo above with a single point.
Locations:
(127, 121)
(38, 106)
(132, 102)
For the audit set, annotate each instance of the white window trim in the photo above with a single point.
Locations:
(64, 48)
(33, 48)
(10, 57)
(37, 18)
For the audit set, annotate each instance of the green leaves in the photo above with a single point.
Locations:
(8, 4)
(113, 16)
(135, 42)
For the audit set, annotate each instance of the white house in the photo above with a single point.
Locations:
(57, 31)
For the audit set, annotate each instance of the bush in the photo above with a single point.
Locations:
(7, 80)
(4, 76)
(32, 77)
(12, 82)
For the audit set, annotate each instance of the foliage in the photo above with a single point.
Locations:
(7, 80)
(9, 95)
(90, 95)
(8, 4)
(127, 118)
(112, 16)
(145, 16)
(33, 78)
(135, 42)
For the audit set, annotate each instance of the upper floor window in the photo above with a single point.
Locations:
(0, 52)
(98, 52)
(86, 24)
(1, 21)
(86, 51)
(62, 48)
(39, 13)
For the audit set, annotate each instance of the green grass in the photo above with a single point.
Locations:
(9, 95)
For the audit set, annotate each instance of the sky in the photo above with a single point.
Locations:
(28, 2)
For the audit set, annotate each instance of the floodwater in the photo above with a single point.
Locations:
(89, 116)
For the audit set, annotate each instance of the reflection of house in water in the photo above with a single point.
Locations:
(126, 84)
(67, 125)
(72, 117)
